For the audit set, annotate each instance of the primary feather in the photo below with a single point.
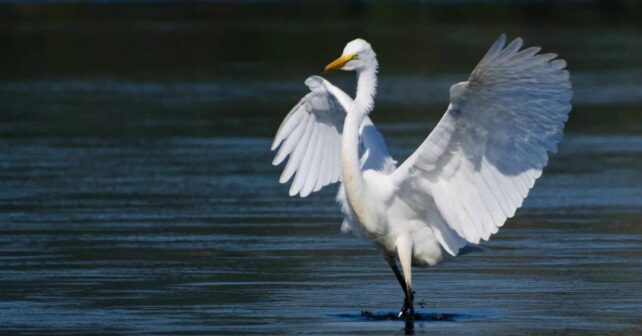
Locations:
(311, 136)
(485, 154)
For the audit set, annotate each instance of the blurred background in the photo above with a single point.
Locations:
(137, 193)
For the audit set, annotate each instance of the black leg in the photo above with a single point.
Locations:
(391, 261)
(410, 297)
(407, 301)
(409, 327)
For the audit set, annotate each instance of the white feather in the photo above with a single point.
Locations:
(310, 135)
(485, 154)
(471, 173)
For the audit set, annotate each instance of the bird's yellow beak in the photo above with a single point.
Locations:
(339, 62)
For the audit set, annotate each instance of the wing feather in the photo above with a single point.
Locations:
(479, 163)
(304, 168)
(290, 123)
(298, 150)
(292, 139)
(315, 162)
(310, 139)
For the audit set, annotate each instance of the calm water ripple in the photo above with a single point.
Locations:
(146, 203)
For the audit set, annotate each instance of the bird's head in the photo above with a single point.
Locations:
(357, 56)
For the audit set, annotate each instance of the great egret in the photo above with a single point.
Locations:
(470, 174)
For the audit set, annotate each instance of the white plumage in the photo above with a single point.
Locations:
(315, 125)
(470, 174)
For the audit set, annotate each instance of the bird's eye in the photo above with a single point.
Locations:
(355, 57)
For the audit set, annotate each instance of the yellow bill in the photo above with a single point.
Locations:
(339, 62)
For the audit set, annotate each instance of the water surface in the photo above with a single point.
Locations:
(138, 195)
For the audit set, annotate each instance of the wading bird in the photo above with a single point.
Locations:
(470, 174)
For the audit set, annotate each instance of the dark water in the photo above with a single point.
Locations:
(137, 194)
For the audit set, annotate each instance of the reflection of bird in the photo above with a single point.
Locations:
(470, 174)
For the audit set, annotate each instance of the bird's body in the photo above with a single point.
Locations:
(470, 174)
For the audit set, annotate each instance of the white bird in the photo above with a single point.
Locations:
(470, 174)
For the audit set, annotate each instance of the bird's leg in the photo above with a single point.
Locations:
(393, 264)
(411, 309)
(404, 251)
(408, 310)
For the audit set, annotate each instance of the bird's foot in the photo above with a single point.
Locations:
(408, 315)
(407, 311)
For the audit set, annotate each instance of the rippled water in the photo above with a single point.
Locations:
(145, 202)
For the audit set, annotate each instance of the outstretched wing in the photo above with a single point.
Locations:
(310, 135)
(484, 156)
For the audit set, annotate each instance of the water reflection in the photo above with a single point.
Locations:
(408, 324)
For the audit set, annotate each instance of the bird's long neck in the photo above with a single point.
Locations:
(352, 177)
(366, 90)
